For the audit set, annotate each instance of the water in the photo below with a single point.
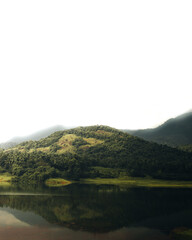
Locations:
(91, 212)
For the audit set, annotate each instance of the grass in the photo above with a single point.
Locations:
(182, 234)
(57, 182)
(66, 143)
(93, 141)
(5, 179)
(139, 182)
(43, 149)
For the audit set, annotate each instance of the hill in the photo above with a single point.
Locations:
(35, 136)
(174, 132)
(95, 151)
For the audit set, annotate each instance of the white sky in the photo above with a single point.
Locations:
(126, 64)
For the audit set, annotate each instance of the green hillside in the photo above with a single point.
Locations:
(96, 151)
(174, 132)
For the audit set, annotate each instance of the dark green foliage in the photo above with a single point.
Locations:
(39, 175)
(54, 148)
(103, 172)
(79, 142)
(174, 132)
(38, 166)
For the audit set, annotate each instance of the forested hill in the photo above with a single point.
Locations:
(174, 132)
(94, 151)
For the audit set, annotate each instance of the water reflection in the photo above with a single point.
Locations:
(31, 233)
(8, 219)
(93, 212)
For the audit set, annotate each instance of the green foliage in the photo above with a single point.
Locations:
(2, 170)
(54, 148)
(79, 142)
(39, 175)
(103, 172)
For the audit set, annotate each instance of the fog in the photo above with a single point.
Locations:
(126, 64)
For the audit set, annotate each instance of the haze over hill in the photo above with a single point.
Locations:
(174, 132)
(35, 136)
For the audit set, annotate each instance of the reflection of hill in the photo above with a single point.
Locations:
(104, 208)
(27, 217)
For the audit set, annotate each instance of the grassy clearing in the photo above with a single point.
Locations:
(5, 179)
(43, 149)
(93, 141)
(57, 182)
(66, 143)
(139, 182)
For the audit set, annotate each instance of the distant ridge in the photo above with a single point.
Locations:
(35, 136)
(174, 132)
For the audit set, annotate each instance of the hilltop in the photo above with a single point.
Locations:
(174, 132)
(95, 151)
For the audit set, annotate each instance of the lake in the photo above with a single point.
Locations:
(91, 212)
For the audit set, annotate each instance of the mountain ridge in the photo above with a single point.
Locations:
(174, 132)
(162, 134)
(34, 136)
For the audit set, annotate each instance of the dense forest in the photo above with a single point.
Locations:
(95, 151)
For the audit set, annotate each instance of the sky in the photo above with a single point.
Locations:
(125, 64)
